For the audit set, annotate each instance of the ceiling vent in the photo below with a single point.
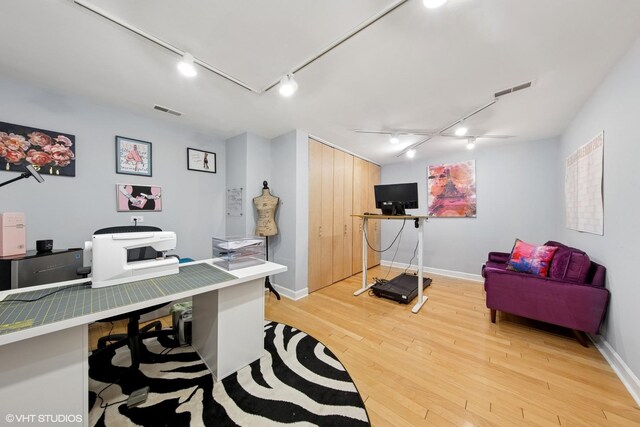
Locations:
(512, 89)
(167, 110)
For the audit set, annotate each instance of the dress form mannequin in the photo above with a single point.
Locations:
(266, 204)
(266, 226)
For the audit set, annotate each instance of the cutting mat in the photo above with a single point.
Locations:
(74, 301)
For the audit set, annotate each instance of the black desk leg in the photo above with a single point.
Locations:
(267, 283)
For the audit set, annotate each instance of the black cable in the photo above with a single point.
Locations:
(366, 237)
(411, 260)
(85, 284)
(394, 258)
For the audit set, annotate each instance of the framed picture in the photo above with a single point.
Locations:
(452, 190)
(134, 197)
(49, 152)
(199, 160)
(133, 157)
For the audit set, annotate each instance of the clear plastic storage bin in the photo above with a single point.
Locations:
(232, 253)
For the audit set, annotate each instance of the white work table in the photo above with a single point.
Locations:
(44, 367)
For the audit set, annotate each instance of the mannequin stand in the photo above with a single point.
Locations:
(267, 283)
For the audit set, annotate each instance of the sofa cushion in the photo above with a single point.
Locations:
(528, 258)
(569, 264)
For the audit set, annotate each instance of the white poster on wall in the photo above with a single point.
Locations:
(234, 202)
(583, 187)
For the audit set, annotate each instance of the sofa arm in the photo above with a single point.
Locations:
(502, 257)
(571, 305)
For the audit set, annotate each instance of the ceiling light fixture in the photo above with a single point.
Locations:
(433, 4)
(471, 143)
(411, 153)
(461, 130)
(288, 85)
(187, 66)
(394, 139)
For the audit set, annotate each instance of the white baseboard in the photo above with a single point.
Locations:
(288, 293)
(439, 271)
(628, 378)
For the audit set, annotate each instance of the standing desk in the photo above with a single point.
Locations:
(44, 348)
(419, 221)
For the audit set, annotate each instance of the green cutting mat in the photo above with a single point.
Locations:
(76, 301)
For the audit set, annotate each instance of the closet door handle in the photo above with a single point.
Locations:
(345, 229)
(320, 231)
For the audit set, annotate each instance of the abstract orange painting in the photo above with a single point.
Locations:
(452, 190)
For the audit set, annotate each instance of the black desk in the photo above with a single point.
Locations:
(38, 268)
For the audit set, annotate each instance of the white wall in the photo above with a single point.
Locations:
(289, 158)
(517, 195)
(614, 108)
(68, 210)
(236, 177)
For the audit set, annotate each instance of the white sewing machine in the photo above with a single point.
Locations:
(110, 265)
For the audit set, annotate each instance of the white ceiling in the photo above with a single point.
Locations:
(414, 69)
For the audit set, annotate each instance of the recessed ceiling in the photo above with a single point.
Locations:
(414, 69)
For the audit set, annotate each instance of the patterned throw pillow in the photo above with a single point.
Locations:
(527, 258)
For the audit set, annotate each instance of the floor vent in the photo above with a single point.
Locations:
(512, 89)
(167, 110)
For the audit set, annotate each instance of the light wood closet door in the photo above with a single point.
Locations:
(342, 207)
(359, 203)
(373, 229)
(320, 215)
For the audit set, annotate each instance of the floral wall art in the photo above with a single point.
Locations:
(50, 152)
(452, 190)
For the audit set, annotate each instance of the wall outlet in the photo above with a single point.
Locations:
(137, 219)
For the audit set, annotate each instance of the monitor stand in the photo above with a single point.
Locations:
(393, 211)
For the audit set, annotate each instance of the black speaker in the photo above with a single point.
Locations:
(44, 245)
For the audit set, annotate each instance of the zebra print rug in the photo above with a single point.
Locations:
(298, 380)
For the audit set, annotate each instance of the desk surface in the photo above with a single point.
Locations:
(380, 216)
(83, 304)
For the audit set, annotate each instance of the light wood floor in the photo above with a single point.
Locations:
(449, 365)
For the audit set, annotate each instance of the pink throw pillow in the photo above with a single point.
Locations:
(528, 258)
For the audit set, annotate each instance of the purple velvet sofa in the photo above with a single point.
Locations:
(572, 296)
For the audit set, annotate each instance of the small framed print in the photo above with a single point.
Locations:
(133, 157)
(202, 161)
(134, 197)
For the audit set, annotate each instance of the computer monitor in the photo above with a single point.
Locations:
(393, 199)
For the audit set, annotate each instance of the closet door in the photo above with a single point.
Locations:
(347, 236)
(342, 207)
(373, 228)
(320, 215)
(359, 203)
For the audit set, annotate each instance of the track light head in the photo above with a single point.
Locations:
(411, 153)
(471, 143)
(394, 139)
(186, 66)
(288, 85)
(433, 4)
(461, 130)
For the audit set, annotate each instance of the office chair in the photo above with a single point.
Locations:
(134, 336)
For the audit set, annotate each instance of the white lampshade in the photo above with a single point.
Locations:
(186, 66)
(433, 4)
(288, 85)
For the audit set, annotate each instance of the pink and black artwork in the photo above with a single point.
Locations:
(132, 197)
(49, 152)
(452, 190)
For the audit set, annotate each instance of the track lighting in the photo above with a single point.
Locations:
(288, 85)
(186, 66)
(461, 130)
(394, 139)
(433, 4)
(411, 153)
(471, 143)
